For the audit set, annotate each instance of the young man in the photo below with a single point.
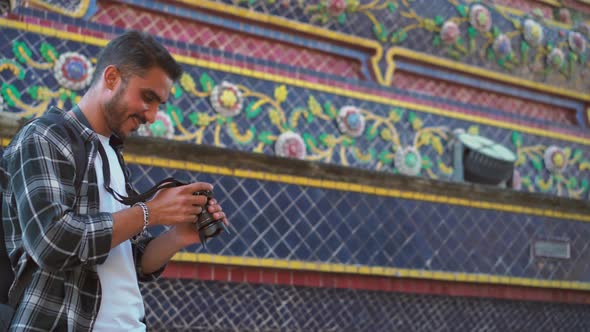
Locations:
(78, 240)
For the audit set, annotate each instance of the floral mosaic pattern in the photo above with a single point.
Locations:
(296, 123)
(466, 31)
(551, 165)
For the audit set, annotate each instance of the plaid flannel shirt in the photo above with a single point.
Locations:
(57, 228)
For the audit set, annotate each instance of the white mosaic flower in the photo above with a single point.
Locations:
(408, 161)
(555, 159)
(227, 99)
(73, 71)
(290, 145)
(350, 121)
(533, 32)
(556, 58)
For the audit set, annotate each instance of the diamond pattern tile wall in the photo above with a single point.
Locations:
(473, 96)
(282, 221)
(191, 305)
(194, 32)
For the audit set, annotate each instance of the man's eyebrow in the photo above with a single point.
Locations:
(153, 94)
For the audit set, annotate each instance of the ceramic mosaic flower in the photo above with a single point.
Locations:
(556, 58)
(538, 15)
(350, 121)
(73, 71)
(408, 161)
(227, 99)
(577, 42)
(533, 32)
(502, 45)
(564, 15)
(290, 145)
(162, 127)
(336, 7)
(4, 7)
(450, 33)
(516, 180)
(584, 28)
(480, 18)
(555, 159)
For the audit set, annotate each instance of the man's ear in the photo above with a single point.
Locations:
(111, 77)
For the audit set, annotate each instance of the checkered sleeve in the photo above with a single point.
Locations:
(138, 250)
(43, 181)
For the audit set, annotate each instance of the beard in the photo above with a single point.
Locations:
(116, 111)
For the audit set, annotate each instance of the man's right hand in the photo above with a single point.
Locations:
(172, 206)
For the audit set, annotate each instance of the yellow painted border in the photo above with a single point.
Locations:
(553, 3)
(79, 13)
(383, 271)
(468, 69)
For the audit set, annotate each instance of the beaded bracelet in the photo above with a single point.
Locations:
(146, 217)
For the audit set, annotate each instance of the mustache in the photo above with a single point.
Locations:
(142, 120)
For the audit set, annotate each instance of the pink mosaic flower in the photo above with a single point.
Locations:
(450, 33)
(516, 180)
(577, 42)
(584, 28)
(564, 15)
(290, 145)
(336, 7)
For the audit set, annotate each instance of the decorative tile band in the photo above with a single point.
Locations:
(50, 32)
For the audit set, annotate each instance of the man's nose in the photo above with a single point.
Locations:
(150, 114)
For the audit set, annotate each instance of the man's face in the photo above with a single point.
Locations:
(136, 100)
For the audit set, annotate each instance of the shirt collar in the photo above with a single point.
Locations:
(115, 141)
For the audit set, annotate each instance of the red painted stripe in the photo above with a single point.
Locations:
(238, 274)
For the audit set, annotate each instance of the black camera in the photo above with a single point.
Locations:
(206, 225)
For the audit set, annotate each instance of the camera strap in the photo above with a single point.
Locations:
(134, 196)
(117, 144)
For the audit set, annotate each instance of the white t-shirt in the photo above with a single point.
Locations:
(121, 308)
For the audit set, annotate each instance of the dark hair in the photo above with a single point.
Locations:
(133, 53)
